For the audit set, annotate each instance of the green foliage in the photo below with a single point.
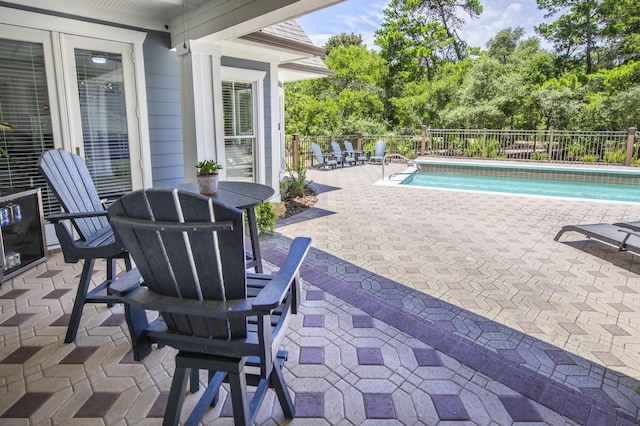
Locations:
(266, 219)
(618, 156)
(423, 74)
(297, 182)
(342, 39)
(590, 158)
(540, 156)
(207, 167)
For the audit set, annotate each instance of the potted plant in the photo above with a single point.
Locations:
(207, 175)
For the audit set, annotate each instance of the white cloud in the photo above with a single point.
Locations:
(364, 17)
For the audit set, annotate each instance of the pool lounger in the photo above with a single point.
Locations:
(622, 238)
(635, 226)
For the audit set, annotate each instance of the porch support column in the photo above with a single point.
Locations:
(199, 63)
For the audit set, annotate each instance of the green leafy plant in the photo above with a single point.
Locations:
(297, 182)
(588, 158)
(617, 156)
(540, 156)
(266, 219)
(207, 167)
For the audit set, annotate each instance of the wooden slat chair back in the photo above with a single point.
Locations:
(68, 177)
(190, 264)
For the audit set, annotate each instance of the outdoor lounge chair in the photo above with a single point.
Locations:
(356, 155)
(189, 256)
(69, 179)
(324, 159)
(635, 226)
(379, 152)
(616, 236)
(340, 156)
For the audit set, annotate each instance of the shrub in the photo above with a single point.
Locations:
(540, 156)
(617, 156)
(266, 219)
(297, 182)
(588, 158)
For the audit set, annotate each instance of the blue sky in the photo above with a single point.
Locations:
(364, 17)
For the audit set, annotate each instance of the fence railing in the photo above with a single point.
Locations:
(557, 146)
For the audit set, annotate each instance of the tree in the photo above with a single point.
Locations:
(576, 33)
(351, 100)
(342, 39)
(417, 35)
(504, 43)
(409, 43)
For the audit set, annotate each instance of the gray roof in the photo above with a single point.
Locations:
(289, 35)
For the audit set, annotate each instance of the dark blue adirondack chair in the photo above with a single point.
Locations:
(190, 268)
(69, 179)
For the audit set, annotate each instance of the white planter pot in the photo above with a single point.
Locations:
(207, 184)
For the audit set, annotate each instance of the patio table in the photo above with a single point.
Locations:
(245, 196)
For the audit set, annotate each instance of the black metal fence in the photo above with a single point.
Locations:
(556, 146)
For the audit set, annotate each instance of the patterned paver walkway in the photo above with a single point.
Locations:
(420, 307)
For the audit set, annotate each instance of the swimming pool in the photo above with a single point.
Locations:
(584, 183)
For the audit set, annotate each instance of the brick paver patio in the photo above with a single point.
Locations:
(420, 306)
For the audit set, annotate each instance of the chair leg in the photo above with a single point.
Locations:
(276, 379)
(194, 380)
(238, 385)
(81, 297)
(111, 275)
(176, 397)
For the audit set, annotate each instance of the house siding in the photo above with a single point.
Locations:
(162, 74)
(266, 120)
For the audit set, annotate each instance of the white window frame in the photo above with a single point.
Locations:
(256, 78)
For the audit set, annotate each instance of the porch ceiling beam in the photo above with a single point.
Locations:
(221, 20)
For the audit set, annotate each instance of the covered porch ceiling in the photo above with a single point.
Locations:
(215, 20)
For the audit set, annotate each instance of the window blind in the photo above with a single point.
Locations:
(25, 121)
(238, 118)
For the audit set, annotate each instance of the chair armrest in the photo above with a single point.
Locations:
(125, 283)
(144, 298)
(272, 295)
(57, 217)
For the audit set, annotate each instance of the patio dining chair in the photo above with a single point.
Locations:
(356, 155)
(341, 156)
(89, 236)
(189, 256)
(324, 159)
(379, 152)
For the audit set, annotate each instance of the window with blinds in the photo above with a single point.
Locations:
(239, 130)
(25, 121)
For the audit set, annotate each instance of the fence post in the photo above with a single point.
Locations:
(550, 144)
(430, 138)
(359, 141)
(424, 141)
(630, 139)
(296, 150)
(484, 143)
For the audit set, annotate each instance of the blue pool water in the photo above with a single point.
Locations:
(554, 188)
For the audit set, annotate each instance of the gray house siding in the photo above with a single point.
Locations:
(259, 66)
(162, 75)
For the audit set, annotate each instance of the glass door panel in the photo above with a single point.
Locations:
(104, 120)
(103, 113)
